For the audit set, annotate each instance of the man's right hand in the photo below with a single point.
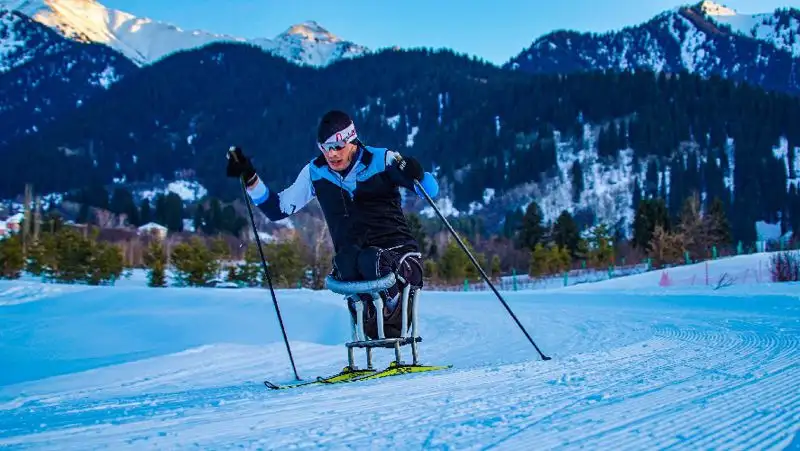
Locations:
(239, 165)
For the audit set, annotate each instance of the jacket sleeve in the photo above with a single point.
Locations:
(279, 205)
(428, 182)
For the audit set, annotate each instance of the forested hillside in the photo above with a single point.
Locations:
(479, 126)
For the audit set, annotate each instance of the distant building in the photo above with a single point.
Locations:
(153, 228)
(14, 223)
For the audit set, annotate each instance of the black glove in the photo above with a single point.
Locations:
(239, 165)
(410, 168)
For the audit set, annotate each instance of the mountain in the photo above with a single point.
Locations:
(780, 29)
(45, 75)
(144, 40)
(21, 40)
(705, 39)
(591, 143)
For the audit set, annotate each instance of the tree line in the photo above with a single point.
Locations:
(63, 253)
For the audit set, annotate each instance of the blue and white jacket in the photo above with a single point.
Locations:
(362, 208)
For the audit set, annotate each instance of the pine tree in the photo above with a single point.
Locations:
(285, 262)
(566, 234)
(12, 260)
(415, 224)
(719, 227)
(145, 212)
(496, 270)
(155, 259)
(532, 230)
(249, 272)
(454, 266)
(73, 253)
(576, 176)
(601, 247)
(106, 263)
(195, 263)
(650, 214)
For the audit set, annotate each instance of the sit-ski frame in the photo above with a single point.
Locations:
(408, 335)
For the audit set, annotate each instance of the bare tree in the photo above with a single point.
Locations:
(694, 227)
(665, 247)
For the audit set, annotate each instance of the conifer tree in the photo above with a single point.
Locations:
(719, 226)
(155, 259)
(195, 263)
(12, 260)
(532, 230)
(566, 234)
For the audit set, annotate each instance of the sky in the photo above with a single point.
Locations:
(495, 30)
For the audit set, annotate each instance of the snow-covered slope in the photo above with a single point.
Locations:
(635, 366)
(780, 29)
(145, 40)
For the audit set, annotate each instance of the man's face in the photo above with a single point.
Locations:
(339, 159)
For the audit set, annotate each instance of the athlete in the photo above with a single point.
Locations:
(357, 187)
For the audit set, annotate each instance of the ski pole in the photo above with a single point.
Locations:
(264, 264)
(478, 266)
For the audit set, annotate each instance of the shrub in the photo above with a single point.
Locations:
(785, 267)
(12, 260)
(156, 261)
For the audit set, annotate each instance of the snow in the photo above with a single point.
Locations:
(445, 206)
(607, 186)
(411, 135)
(144, 40)
(10, 43)
(634, 365)
(763, 27)
(189, 191)
(715, 9)
(107, 77)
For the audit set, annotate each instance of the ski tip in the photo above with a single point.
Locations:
(546, 358)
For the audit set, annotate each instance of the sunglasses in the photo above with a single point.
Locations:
(332, 146)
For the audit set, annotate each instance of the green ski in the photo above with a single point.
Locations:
(347, 375)
(343, 376)
(395, 369)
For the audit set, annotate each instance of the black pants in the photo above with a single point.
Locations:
(371, 263)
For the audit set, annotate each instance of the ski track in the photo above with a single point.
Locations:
(622, 377)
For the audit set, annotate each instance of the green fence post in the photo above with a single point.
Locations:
(566, 275)
(739, 248)
(466, 285)
(686, 257)
(714, 252)
(514, 278)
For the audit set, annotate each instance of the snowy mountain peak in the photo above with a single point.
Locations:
(312, 31)
(145, 40)
(715, 9)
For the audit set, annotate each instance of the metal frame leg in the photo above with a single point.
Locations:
(409, 334)
(378, 300)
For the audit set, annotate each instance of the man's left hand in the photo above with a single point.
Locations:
(410, 168)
